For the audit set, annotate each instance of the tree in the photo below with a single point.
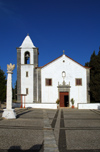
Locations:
(2, 86)
(15, 91)
(94, 76)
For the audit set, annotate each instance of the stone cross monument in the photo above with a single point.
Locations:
(9, 112)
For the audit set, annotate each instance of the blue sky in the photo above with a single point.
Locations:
(53, 25)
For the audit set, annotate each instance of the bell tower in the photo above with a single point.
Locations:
(27, 61)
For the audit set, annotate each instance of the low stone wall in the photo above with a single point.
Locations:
(88, 106)
(41, 105)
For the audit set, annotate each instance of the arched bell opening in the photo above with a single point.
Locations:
(27, 58)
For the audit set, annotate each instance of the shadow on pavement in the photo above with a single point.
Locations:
(18, 115)
(35, 148)
(1, 111)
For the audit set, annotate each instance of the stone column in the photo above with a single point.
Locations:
(9, 112)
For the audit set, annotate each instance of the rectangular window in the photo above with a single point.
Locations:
(26, 90)
(26, 74)
(48, 82)
(78, 82)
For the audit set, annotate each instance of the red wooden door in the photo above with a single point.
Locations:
(62, 94)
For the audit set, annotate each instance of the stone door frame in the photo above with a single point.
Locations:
(64, 88)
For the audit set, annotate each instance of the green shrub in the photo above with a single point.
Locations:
(57, 101)
(72, 101)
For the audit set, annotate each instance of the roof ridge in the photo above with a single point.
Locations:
(75, 61)
(51, 61)
(58, 58)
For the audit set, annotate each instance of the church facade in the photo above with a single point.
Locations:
(62, 78)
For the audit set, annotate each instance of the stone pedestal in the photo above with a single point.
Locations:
(9, 113)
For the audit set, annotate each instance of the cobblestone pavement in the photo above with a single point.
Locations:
(24, 133)
(62, 130)
(76, 130)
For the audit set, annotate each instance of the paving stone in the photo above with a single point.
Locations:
(57, 127)
(22, 133)
(83, 139)
(24, 138)
(82, 123)
(49, 138)
(22, 122)
(70, 129)
(51, 150)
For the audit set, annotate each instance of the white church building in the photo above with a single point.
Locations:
(40, 87)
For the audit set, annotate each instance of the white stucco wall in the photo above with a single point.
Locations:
(89, 106)
(27, 82)
(41, 106)
(54, 71)
(31, 55)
